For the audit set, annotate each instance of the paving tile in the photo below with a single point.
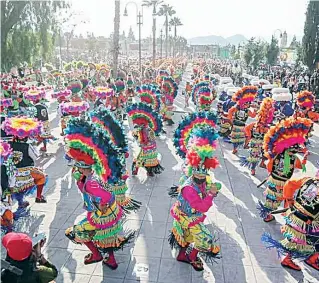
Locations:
(139, 215)
(173, 271)
(143, 269)
(76, 264)
(240, 272)
(101, 279)
(141, 190)
(148, 247)
(211, 274)
(67, 277)
(162, 201)
(104, 271)
(156, 214)
(235, 254)
(279, 275)
(61, 241)
(57, 256)
(264, 257)
(153, 229)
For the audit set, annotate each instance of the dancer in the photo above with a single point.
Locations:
(189, 234)
(239, 114)
(283, 103)
(147, 123)
(255, 135)
(96, 164)
(27, 176)
(103, 118)
(169, 90)
(281, 143)
(301, 230)
(305, 106)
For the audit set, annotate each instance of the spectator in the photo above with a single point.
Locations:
(25, 254)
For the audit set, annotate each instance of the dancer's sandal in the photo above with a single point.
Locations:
(197, 265)
(89, 259)
(110, 263)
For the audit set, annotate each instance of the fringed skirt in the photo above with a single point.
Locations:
(300, 237)
(237, 135)
(225, 127)
(148, 158)
(104, 229)
(27, 178)
(255, 154)
(273, 195)
(126, 202)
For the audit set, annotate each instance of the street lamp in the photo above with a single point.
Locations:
(139, 15)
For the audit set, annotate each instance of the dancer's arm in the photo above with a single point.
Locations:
(192, 197)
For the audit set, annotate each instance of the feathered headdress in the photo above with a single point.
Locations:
(305, 99)
(5, 102)
(149, 95)
(185, 129)
(34, 94)
(196, 88)
(169, 87)
(62, 94)
(143, 114)
(266, 111)
(201, 148)
(161, 75)
(104, 119)
(205, 96)
(75, 86)
(22, 127)
(74, 107)
(245, 94)
(120, 85)
(129, 80)
(103, 92)
(5, 151)
(286, 134)
(87, 143)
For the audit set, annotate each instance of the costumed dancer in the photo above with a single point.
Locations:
(27, 176)
(223, 107)
(169, 90)
(149, 95)
(97, 163)
(239, 114)
(119, 100)
(281, 143)
(255, 135)
(104, 96)
(196, 88)
(264, 92)
(189, 234)
(204, 99)
(129, 90)
(305, 106)
(283, 103)
(147, 123)
(301, 230)
(104, 119)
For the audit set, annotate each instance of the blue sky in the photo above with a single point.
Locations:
(201, 17)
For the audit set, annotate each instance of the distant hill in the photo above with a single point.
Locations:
(214, 39)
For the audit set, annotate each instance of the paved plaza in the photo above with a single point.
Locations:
(233, 218)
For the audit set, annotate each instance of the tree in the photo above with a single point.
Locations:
(310, 40)
(30, 21)
(248, 51)
(166, 11)
(299, 54)
(131, 36)
(175, 22)
(272, 51)
(154, 4)
(254, 53)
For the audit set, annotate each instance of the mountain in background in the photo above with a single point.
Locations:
(214, 39)
(233, 40)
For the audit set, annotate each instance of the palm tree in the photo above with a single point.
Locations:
(175, 22)
(166, 11)
(116, 38)
(154, 4)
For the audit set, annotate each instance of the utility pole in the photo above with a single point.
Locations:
(116, 38)
(140, 22)
(161, 43)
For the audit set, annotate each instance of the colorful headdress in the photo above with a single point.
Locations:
(85, 82)
(161, 75)
(169, 87)
(75, 86)
(34, 94)
(129, 81)
(149, 95)
(143, 114)
(305, 99)
(120, 85)
(22, 127)
(201, 148)
(281, 94)
(196, 89)
(104, 119)
(186, 127)
(61, 94)
(245, 94)
(205, 96)
(5, 102)
(5, 151)
(266, 111)
(103, 92)
(74, 107)
(89, 145)
(286, 134)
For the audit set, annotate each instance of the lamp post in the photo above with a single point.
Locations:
(154, 31)
(139, 15)
(161, 43)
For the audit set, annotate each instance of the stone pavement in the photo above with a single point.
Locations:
(233, 219)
